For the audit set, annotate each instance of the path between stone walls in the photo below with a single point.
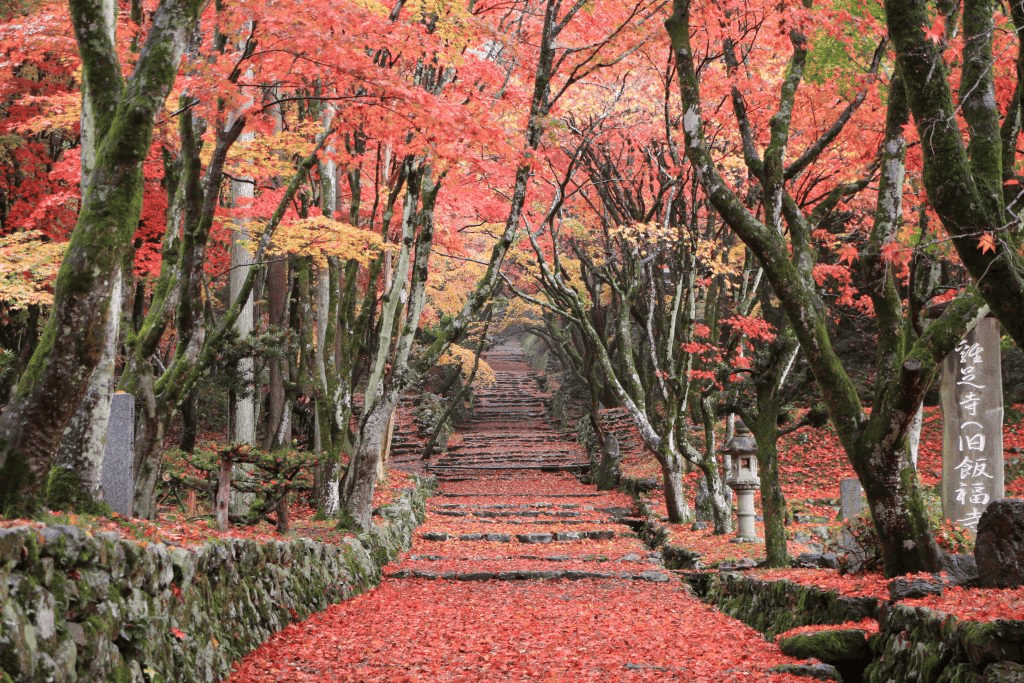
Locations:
(519, 573)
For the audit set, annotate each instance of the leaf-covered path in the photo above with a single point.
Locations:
(520, 573)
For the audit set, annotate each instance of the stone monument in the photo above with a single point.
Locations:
(851, 498)
(972, 426)
(118, 475)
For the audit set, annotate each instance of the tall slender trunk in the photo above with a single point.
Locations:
(57, 377)
(278, 423)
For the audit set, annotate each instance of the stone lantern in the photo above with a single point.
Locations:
(743, 480)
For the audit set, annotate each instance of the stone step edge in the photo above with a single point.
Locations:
(598, 558)
(529, 575)
(453, 494)
(536, 466)
(555, 537)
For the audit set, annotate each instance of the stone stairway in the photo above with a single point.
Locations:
(509, 507)
(510, 431)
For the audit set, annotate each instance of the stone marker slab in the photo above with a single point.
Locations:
(972, 426)
(118, 473)
(851, 498)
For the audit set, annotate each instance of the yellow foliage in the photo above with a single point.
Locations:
(460, 355)
(450, 21)
(719, 261)
(320, 237)
(448, 285)
(28, 267)
(518, 312)
(269, 156)
(641, 234)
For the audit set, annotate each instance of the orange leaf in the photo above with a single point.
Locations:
(987, 243)
(847, 253)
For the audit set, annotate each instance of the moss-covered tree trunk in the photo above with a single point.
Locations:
(969, 183)
(773, 502)
(907, 361)
(82, 445)
(71, 346)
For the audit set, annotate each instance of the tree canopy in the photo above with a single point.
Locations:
(693, 218)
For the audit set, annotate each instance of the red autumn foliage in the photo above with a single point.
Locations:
(868, 625)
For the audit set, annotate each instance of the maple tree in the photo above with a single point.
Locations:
(961, 72)
(782, 238)
(62, 363)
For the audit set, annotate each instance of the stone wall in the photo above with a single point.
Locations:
(80, 607)
(913, 643)
(918, 644)
(773, 607)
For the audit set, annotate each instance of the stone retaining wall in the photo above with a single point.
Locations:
(773, 607)
(80, 607)
(913, 643)
(918, 644)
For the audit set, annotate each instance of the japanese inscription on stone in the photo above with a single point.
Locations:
(972, 426)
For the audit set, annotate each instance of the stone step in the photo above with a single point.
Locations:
(654, 576)
(544, 467)
(531, 538)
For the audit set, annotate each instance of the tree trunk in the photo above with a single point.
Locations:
(83, 443)
(361, 476)
(189, 422)
(679, 511)
(242, 422)
(278, 432)
(58, 375)
(966, 182)
(900, 517)
(773, 502)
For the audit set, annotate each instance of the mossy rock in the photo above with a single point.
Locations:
(993, 641)
(1004, 672)
(960, 673)
(817, 671)
(914, 643)
(830, 646)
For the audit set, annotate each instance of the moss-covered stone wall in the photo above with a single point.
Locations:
(773, 607)
(80, 607)
(918, 644)
(913, 643)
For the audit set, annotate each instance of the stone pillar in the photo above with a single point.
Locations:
(118, 478)
(972, 426)
(851, 498)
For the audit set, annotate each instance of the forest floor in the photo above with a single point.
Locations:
(485, 593)
(524, 575)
